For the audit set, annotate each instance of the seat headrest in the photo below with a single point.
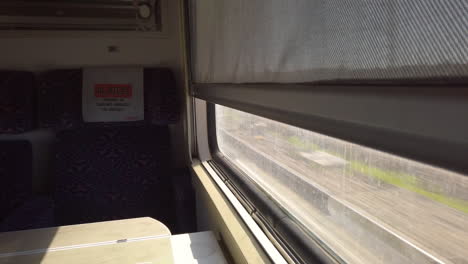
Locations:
(16, 101)
(61, 91)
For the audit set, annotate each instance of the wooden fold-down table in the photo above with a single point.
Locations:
(133, 241)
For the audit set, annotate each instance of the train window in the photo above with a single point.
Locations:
(364, 205)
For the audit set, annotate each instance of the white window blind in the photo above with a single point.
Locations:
(246, 41)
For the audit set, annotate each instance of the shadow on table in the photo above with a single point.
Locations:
(26, 247)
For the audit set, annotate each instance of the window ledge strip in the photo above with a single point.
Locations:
(263, 240)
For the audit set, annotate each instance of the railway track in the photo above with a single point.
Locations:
(391, 222)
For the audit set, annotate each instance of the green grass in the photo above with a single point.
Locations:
(402, 180)
(409, 183)
(298, 143)
(398, 179)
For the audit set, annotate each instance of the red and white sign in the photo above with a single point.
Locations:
(113, 95)
(113, 90)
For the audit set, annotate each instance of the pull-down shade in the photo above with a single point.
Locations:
(312, 40)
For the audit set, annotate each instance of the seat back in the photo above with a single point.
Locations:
(15, 174)
(16, 116)
(60, 99)
(16, 102)
(108, 171)
(108, 174)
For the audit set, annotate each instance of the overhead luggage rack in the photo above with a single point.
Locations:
(113, 15)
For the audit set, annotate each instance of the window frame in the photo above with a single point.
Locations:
(419, 138)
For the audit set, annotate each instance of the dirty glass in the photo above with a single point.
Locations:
(364, 205)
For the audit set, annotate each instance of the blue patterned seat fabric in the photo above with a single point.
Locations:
(16, 101)
(161, 104)
(59, 96)
(19, 207)
(108, 173)
(15, 174)
(37, 212)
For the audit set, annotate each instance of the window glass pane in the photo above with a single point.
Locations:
(365, 205)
